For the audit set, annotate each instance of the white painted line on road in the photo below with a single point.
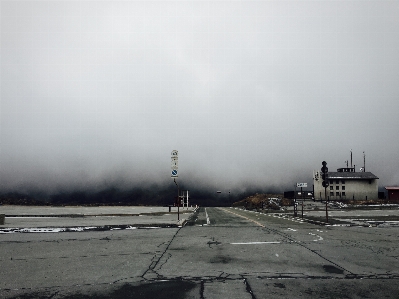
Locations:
(320, 238)
(256, 222)
(294, 230)
(207, 218)
(252, 243)
(30, 217)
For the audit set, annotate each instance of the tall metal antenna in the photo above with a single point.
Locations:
(351, 158)
(364, 162)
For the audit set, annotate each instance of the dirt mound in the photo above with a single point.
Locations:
(264, 201)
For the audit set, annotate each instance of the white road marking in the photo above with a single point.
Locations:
(30, 217)
(207, 218)
(320, 238)
(251, 243)
(244, 217)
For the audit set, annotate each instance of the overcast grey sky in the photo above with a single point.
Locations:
(248, 92)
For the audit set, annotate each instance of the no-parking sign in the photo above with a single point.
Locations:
(174, 163)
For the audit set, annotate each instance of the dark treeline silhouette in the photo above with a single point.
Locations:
(154, 195)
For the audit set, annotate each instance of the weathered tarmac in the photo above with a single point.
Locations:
(219, 253)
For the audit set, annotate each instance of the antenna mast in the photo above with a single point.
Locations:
(351, 158)
(364, 162)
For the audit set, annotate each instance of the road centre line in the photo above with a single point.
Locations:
(300, 221)
(254, 243)
(256, 222)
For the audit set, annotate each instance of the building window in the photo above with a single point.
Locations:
(343, 187)
(343, 194)
(336, 187)
(337, 181)
(331, 193)
(337, 193)
(331, 182)
(331, 188)
(342, 182)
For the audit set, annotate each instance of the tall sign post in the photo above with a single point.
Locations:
(325, 183)
(174, 169)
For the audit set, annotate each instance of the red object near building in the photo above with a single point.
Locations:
(393, 193)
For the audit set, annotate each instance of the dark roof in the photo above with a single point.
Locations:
(352, 175)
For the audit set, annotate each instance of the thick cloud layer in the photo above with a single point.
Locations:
(98, 93)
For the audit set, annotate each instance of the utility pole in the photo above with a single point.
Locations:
(325, 194)
(302, 201)
(178, 200)
(364, 162)
(295, 206)
(325, 183)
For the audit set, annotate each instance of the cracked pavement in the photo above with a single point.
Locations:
(220, 253)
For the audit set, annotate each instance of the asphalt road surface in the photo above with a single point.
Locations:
(219, 253)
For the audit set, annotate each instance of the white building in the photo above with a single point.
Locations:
(346, 184)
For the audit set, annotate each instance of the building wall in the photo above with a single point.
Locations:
(319, 189)
(393, 195)
(352, 189)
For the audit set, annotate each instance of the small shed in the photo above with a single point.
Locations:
(393, 193)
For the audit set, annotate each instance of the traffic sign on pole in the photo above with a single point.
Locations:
(174, 163)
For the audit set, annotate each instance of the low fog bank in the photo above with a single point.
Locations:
(134, 184)
(147, 181)
(155, 194)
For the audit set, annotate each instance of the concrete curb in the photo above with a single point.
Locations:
(78, 229)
